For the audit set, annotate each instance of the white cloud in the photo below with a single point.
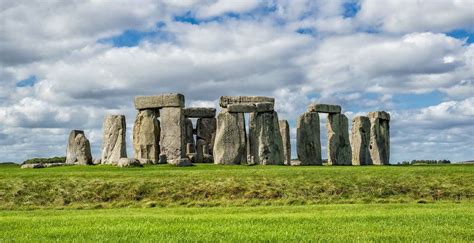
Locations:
(220, 7)
(402, 16)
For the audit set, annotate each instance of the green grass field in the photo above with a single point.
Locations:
(237, 203)
(365, 222)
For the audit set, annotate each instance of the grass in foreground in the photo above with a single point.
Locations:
(87, 187)
(440, 222)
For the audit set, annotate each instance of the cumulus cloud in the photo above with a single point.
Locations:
(403, 16)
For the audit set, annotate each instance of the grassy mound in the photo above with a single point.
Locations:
(210, 185)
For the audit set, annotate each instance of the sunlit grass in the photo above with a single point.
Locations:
(441, 222)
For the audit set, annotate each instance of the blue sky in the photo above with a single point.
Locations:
(398, 56)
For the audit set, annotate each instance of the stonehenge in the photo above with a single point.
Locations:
(146, 136)
(264, 143)
(113, 145)
(308, 140)
(230, 142)
(379, 145)
(78, 149)
(285, 137)
(339, 148)
(165, 131)
(360, 137)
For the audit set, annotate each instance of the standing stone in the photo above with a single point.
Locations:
(339, 148)
(230, 142)
(379, 146)
(78, 149)
(206, 130)
(200, 151)
(268, 148)
(173, 136)
(190, 135)
(113, 146)
(252, 142)
(308, 140)
(360, 139)
(285, 136)
(146, 136)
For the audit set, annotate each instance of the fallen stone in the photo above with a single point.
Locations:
(199, 112)
(379, 145)
(146, 161)
(379, 115)
(113, 143)
(182, 162)
(324, 108)
(228, 100)
(159, 101)
(146, 136)
(173, 134)
(339, 148)
(47, 165)
(230, 142)
(32, 166)
(360, 140)
(308, 141)
(206, 130)
(97, 161)
(78, 149)
(285, 136)
(128, 162)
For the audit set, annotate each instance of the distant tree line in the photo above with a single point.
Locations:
(425, 162)
(45, 160)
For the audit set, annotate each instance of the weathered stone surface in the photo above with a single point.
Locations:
(308, 140)
(199, 112)
(324, 108)
(128, 162)
(379, 115)
(339, 148)
(379, 146)
(206, 130)
(250, 107)
(285, 136)
(189, 136)
(159, 101)
(230, 142)
(32, 166)
(173, 135)
(97, 161)
(146, 161)
(200, 150)
(113, 144)
(146, 136)
(78, 148)
(227, 100)
(360, 139)
(268, 146)
(182, 162)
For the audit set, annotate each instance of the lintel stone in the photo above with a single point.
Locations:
(324, 108)
(379, 115)
(159, 101)
(250, 107)
(228, 100)
(199, 112)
